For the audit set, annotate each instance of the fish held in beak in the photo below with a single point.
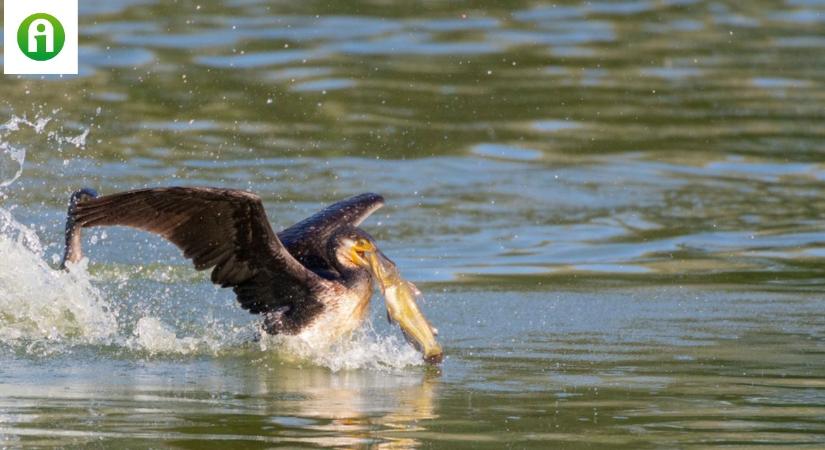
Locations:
(400, 298)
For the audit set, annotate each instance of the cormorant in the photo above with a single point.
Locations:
(313, 279)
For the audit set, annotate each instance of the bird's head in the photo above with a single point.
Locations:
(349, 248)
(357, 250)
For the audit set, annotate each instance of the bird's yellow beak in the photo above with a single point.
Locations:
(399, 296)
(359, 252)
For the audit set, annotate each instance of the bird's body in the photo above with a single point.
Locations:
(345, 310)
(313, 279)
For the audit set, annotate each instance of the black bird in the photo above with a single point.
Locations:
(313, 279)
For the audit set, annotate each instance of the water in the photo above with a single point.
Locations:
(614, 210)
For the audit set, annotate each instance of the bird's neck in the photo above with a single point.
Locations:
(353, 277)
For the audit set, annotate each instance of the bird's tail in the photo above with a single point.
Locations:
(73, 251)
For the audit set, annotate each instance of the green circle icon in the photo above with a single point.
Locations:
(41, 37)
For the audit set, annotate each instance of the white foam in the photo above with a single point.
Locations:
(156, 337)
(38, 302)
(363, 349)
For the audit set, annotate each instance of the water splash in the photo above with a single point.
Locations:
(156, 337)
(78, 141)
(11, 163)
(152, 335)
(40, 303)
(43, 310)
(363, 349)
(13, 157)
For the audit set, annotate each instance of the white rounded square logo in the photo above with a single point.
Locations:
(40, 37)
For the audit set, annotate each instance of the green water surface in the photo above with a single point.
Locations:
(615, 209)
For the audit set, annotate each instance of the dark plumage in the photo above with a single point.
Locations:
(290, 277)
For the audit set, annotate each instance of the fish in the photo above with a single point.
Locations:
(401, 299)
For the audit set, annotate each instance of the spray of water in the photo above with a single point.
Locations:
(13, 157)
(40, 303)
(54, 308)
(363, 349)
(43, 310)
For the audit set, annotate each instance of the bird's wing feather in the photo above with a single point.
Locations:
(222, 228)
(306, 240)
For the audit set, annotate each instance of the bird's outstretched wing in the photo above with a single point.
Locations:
(307, 239)
(222, 228)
